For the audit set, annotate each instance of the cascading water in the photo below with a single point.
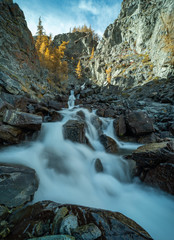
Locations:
(71, 99)
(67, 175)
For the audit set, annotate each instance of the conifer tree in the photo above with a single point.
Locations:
(79, 70)
(92, 54)
(108, 73)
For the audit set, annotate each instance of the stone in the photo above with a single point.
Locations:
(138, 123)
(97, 123)
(120, 127)
(87, 232)
(10, 135)
(17, 186)
(74, 130)
(68, 224)
(3, 212)
(109, 144)
(162, 177)
(150, 155)
(92, 223)
(22, 120)
(62, 212)
(98, 165)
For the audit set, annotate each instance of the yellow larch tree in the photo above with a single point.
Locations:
(108, 73)
(92, 54)
(79, 70)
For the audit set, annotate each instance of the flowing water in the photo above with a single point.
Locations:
(67, 174)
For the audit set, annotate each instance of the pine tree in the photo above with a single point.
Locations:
(79, 70)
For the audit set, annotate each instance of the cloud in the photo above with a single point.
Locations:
(58, 19)
(88, 6)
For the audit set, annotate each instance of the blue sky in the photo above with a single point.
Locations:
(58, 16)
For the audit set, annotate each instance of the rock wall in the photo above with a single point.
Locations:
(138, 46)
(79, 48)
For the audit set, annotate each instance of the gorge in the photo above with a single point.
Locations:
(74, 160)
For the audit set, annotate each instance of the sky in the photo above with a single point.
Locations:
(58, 16)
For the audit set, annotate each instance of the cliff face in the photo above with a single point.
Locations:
(138, 46)
(79, 48)
(20, 71)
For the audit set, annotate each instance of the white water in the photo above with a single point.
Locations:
(67, 175)
(71, 100)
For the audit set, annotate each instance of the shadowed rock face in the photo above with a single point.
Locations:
(49, 218)
(17, 185)
(155, 165)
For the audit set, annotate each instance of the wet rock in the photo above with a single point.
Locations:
(55, 116)
(87, 232)
(17, 186)
(151, 155)
(81, 115)
(22, 120)
(138, 123)
(97, 123)
(10, 134)
(61, 213)
(74, 130)
(91, 222)
(149, 138)
(120, 127)
(98, 165)
(68, 224)
(109, 144)
(162, 177)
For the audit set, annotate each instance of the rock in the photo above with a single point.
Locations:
(22, 120)
(68, 224)
(120, 128)
(3, 212)
(61, 213)
(97, 123)
(17, 186)
(92, 223)
(139, 123)
(10, 134)
(54, 237)
(74, 130)
(150, 155)
(98, 165)
(149, 138)
(162, 177)
(109, 144)
(87, 232)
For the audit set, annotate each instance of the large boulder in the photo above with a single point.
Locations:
(74, 130)
(10, 134)
(81, 222)
(22, 120)
(17, 186)
(138, 123)
(162, 177)
(109, 144)
(155, 165)
(152, 154)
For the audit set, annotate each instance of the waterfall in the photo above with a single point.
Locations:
(67, 174)
(71, 100)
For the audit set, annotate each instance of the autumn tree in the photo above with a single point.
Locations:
(108, 73)
(86, 29)
(92, 54)
(51, 57)
(79, 70)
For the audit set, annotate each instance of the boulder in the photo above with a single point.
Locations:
(162, 177)
(138, 123)
(109, 144)
(17, 186)
(92, 223)
(120, 127)
(23, 120)
(54, 237)
(150, 155)
(10, 135)
(98, 165)
(74, 130)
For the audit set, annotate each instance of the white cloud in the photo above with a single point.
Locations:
(57, 20)
(88, 6)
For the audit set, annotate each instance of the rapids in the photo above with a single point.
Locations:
(67, 174)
